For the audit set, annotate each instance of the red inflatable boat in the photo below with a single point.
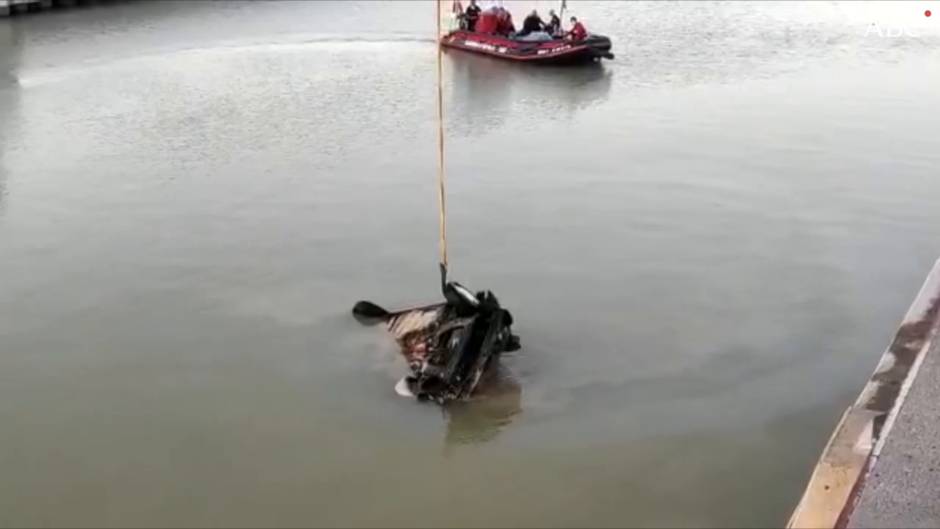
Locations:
(556, 51)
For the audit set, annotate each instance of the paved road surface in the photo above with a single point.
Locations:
(904, 487)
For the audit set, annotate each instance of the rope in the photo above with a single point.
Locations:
(441, 200)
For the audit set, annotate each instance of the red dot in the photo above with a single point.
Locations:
(927, 13)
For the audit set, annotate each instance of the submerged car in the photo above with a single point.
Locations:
(448, 346)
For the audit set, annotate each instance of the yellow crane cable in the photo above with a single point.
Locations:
(441, 200)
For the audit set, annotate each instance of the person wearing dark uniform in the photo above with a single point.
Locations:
(471, 15)
(531, 24)
(554, 24)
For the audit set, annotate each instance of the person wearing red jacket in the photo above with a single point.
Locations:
(506, 27)
(577, 31)
(487, 23)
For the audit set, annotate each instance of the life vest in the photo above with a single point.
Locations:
(487, 23)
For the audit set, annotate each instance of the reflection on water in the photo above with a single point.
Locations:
(498, 401)
(10, 37)
(10, 44)
(485, 91)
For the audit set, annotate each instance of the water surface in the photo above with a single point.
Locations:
(706, 244)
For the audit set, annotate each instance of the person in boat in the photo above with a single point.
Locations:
(471, 15)
(553, 27)
(531, 24)
(505, 26)
(488, 22)
(456, 8)
(577, 31)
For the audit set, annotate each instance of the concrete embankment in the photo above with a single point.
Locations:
(881, 466)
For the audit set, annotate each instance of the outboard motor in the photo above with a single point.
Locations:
(600, 46)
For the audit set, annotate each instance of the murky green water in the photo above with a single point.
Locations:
(706, 244)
